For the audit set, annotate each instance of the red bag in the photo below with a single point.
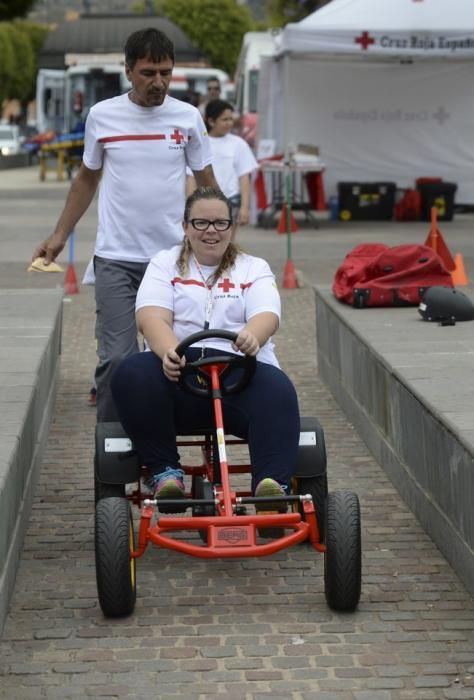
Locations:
(374, 274)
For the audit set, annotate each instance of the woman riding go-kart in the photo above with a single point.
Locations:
(194, 380)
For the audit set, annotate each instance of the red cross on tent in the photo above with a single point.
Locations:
(226, 285)
(177, 136)
(364, 40)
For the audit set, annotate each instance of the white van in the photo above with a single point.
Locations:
(10, 140)
(254, 46)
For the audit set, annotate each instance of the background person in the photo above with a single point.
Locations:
(232, 159)
(208, 282)
(213, 93)
(137, 145)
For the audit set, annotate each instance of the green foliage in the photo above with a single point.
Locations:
(23, 73)
(36, 35)
(20, 43)
(9, 9)
(7, 61)
(283, 11)
(214, 26)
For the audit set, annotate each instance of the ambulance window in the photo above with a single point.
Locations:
(253, 88)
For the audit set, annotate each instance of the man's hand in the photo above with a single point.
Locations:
(247, 343)
(172, 364)
(50, 248)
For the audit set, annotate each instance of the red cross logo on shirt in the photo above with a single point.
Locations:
(226, 285)
(177, 136)
(364, 40)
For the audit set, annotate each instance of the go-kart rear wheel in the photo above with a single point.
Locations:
(317, 488)
(115, 568)
(342, 559)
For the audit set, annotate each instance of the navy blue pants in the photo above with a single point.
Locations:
(154, 410)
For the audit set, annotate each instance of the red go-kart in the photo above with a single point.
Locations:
(221, 517)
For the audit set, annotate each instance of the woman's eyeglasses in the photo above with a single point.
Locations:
(203, 224)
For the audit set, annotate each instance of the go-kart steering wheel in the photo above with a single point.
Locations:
(247, 363)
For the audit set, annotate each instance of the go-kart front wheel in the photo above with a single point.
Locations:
(342, 559)
(115, 568)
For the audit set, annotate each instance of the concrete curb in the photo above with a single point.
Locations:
(30, 342)
(427, 457)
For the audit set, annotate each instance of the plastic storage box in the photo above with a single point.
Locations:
(366, 201)
(440, 195)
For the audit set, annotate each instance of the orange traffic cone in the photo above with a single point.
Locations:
(436, 241)
(289, 276)
(458, 275)
(70, 281)
(283, 223)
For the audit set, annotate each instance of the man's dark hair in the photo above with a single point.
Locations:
(214, 79)
(148, 43)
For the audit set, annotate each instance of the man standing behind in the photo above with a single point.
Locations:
(137, 145)
(213, 93)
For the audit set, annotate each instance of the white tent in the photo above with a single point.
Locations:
(385, 88)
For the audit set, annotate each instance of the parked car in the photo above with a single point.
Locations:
(10, 139)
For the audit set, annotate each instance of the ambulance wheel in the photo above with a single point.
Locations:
(115, 568)
(317, 488)
(202, 488)
(342, 559)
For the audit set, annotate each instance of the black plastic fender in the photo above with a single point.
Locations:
(312, 449)
(116, 462)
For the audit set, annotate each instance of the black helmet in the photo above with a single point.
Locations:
(446, 305)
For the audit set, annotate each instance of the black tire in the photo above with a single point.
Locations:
(343, 556)
(115, 569)
(202, 488)
(317, 487)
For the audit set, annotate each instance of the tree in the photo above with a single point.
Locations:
(283, 11)
(7, 62)
(23, 72)
(36, 35)
(214, 26)
(20, 43)
(9, 9)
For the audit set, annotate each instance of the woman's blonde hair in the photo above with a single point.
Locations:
(230, 255)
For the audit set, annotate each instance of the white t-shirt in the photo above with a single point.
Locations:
(232, 157)
(143, 152)
(249, 288)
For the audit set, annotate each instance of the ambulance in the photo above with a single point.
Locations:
(255, 45)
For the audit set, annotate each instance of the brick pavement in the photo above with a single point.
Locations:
(246, 629)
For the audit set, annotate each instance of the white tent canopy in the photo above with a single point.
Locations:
(385, 88)
(420, 28)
